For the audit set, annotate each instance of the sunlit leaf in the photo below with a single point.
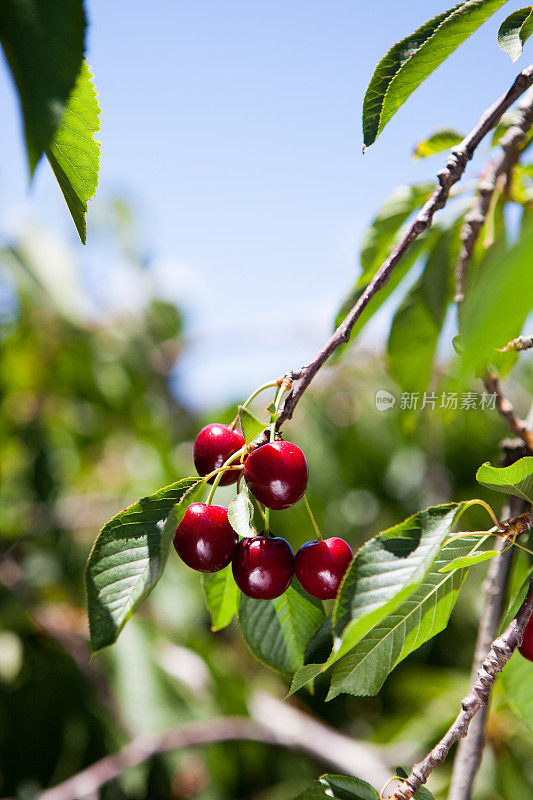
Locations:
(385, 572)
(251, 427)
(241, 513)
(409, 62)
(73, 153)
(464, 562)
(222, 597)
(364, 669)
(129, 555)
(514, 32)
(516, 479)
(440, 140)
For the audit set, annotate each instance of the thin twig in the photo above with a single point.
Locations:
(447, 177)
(506, 409)
(470, 749)
(273, 723)
(500, 168)
(499, 654)
(519, 344)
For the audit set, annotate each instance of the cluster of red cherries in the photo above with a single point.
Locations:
(263, 566)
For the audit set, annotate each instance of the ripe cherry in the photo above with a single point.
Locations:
(277, 474)
(213, 446)
(526, 648)
(263, 566)
(204, 539)
(320, 566)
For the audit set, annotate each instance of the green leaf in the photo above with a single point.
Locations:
(277, 631)
(409, 62)
(504, 283)
(129, 555)
(515, 31)
(222, 597)
(339, 787)
(386, 571)
(251, 427)
(417, 323)
(73, 153)
(43, 41)
(364, 669)
(516, 479)
(441, 140)
(241, 513)
(517, 679)
(464, 562)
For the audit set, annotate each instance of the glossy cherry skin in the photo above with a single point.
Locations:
(277, 474)
(263, 566)
(526, 648)
(204, 539)
(320, 566)
(213, 446)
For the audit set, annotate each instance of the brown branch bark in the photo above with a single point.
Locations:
(499, 654)
(506, 409)
(272, 723)
(500, 168)
(447, 177)
(519, 344)
(470, 749)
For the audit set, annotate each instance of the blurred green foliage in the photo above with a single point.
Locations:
(88, 425)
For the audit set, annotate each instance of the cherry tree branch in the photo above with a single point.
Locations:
(501, 167)
(499, 654)
(447, 177)
(272, 722)
(519, 344)
(470, 749)
(506, 409)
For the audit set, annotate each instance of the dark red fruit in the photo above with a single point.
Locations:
(277, 474)
(320, 566)
(263, 566)
(204, 539)
(213, 446)
(526, 648)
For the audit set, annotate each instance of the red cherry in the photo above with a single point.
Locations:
(526, 648)
(213, 446)
(204, 539)
(263, 566)
(277, 474)
(320, 566)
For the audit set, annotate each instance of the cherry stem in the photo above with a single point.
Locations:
(277, 403)
(260, 389)
(266, 517)
(312, 518)
(219, 472)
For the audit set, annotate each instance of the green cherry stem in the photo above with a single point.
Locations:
(260, 389)
(266, 518)
(277, 403)
(220, 472)
(312, 518)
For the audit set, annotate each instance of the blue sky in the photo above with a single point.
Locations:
(235, 127)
